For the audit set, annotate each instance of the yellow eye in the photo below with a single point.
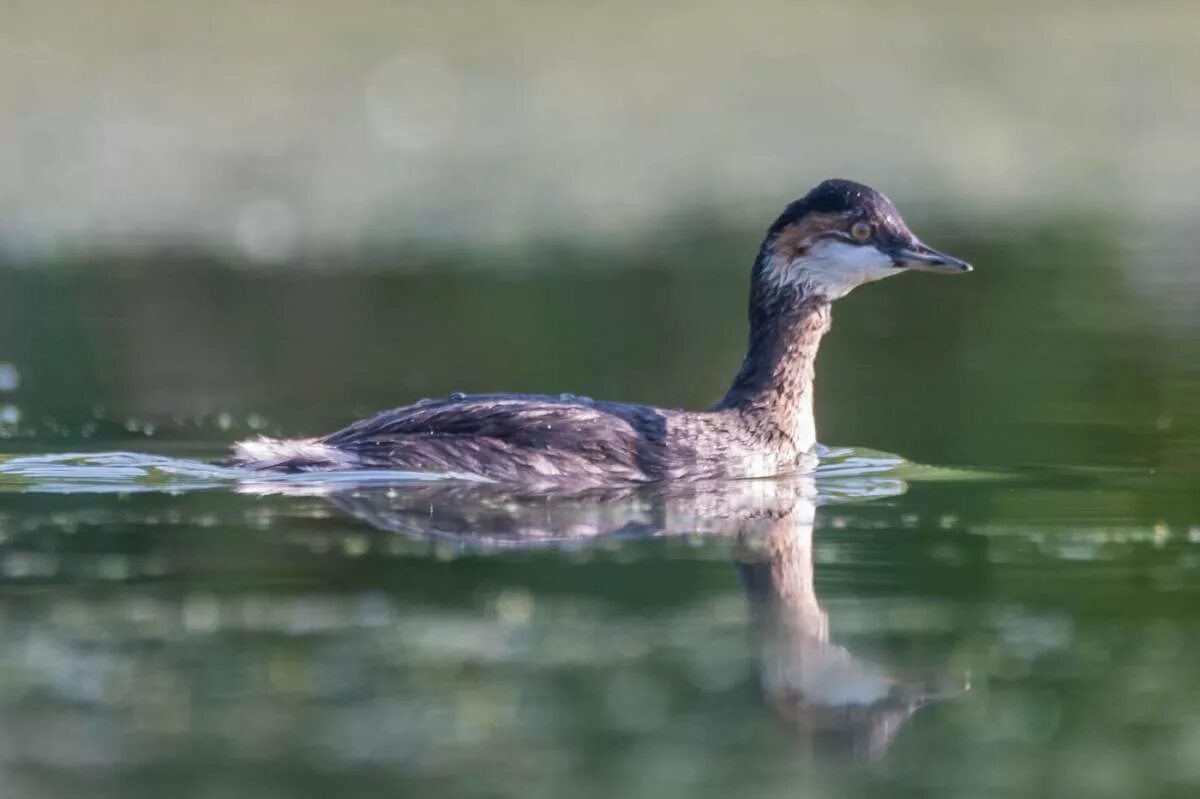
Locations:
(861, 231)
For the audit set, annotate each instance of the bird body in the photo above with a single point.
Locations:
(838, 236)
(532, 439)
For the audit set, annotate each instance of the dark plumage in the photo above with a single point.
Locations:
(841, 234)
(513, 436)
(835, 197)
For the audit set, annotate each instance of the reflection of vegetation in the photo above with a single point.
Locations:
(1042, 356)
(218, 607)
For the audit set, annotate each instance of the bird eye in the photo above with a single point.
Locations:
(860, 231)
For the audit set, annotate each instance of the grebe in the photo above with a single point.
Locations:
(838, 236)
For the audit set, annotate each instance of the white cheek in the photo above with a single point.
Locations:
(833, 268)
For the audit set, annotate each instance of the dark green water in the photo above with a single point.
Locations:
(1019, 617)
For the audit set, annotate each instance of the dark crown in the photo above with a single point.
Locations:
(835, 197)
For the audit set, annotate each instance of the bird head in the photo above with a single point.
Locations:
(837, 237)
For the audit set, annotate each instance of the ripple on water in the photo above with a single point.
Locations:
(841, 473)
(133, 472)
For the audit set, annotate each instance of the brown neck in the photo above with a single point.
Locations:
(775, 384)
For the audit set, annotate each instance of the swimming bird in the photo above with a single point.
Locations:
(839, 236)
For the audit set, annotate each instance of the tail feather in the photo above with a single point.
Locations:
(290, 455)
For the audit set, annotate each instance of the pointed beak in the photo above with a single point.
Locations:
(926, 259)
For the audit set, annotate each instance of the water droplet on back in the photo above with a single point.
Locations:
(457, 396)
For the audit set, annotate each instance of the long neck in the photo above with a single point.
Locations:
(775, 384)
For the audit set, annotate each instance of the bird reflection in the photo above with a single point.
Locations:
(835, 700)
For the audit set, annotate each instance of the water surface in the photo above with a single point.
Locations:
(1007, 608)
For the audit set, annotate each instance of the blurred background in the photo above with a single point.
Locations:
(228, 218)
(271, 131)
